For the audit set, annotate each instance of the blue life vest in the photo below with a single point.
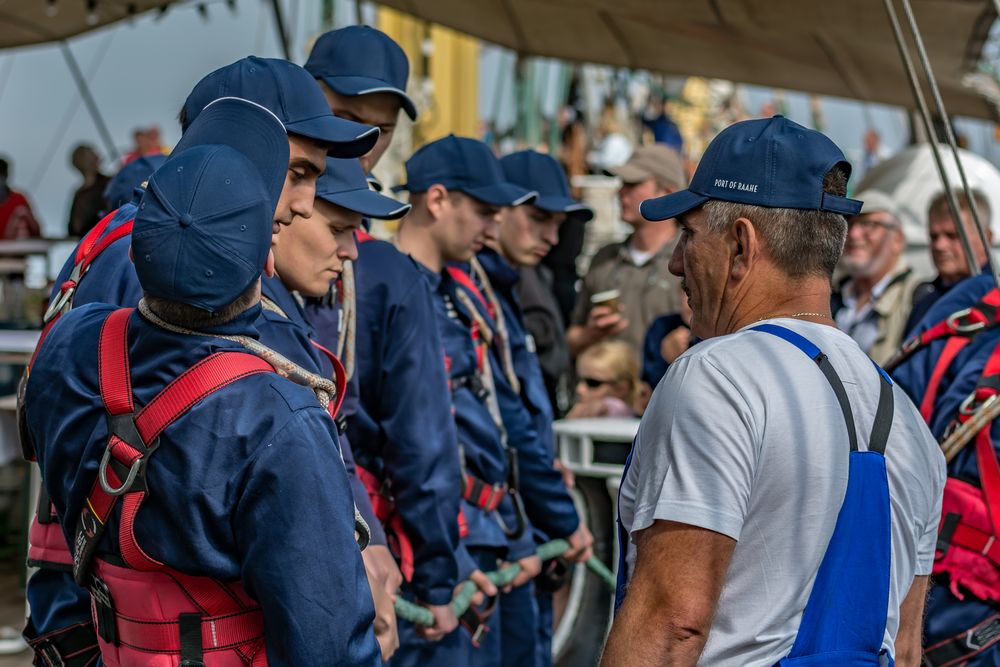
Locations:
(841, 624)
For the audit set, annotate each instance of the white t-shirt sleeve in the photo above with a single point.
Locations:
(697, 450)
(928, 539)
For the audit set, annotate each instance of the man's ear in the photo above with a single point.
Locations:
(436, 199)
(744, 246)
(269, 264)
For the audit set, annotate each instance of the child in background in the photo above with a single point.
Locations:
(607, 381)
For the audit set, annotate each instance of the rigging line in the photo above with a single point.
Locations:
(925, 115)
(70, 112)
(950, 137)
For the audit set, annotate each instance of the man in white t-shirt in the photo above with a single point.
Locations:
(739, 474)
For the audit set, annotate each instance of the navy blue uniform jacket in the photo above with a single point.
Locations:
(291, 335)
(546, 498)
(248, 485)
(482, 443)
(946, 616)
(56, 601)
(403, 429)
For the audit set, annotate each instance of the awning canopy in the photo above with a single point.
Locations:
(24, 22)
(842, 48)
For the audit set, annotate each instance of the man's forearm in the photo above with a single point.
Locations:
(634, 642)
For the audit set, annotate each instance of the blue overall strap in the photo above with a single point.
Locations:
(622, 582)
(844, 619)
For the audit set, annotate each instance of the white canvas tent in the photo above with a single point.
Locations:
(842, 48)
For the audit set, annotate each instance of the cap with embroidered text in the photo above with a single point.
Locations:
(360, 60)
(291, 94)
(344, 183)
(203, 229)
(536, 171)
(770, 162)
(466, 165)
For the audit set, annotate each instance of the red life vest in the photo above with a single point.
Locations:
(147, 613)
(46, 542)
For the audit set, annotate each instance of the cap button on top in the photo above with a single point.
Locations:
(186, 220)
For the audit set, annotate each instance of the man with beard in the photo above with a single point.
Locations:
(875, 297)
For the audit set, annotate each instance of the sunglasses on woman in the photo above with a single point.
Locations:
(594, 383)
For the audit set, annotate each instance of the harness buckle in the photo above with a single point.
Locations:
(104, 608)
(970, 640)
(957, 327)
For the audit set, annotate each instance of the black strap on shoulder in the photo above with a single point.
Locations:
(883, 416)
(838, 388)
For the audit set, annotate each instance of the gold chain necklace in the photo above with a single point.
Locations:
(769, 317)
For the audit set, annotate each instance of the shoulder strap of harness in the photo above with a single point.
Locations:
(132, 436)
(465, 280)
(90, 248)
(964, 324)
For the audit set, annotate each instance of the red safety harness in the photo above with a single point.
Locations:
(480, 493)
(46, 543)
(75, 646)
(968, 546)
(146, 612)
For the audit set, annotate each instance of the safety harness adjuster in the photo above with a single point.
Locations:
(104, 611)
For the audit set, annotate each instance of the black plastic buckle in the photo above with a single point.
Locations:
(107, 627)
(474, 620)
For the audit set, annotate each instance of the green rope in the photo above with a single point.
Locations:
(460, 603)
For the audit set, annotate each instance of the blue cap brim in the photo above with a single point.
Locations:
(239, 124)
(571, 207)
(353, 86)
(671, 206)
(501, 194)
(347, 139)
(367, 203)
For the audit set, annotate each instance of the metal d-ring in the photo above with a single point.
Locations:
(102, 475)
(953, 322)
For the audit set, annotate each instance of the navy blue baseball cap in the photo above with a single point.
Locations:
(203, 228)
(466, 165)
(344, 183)
(771, 162)
(291, 94)
(359, 60)
(121, 188)
(537, 171)
(248, 127)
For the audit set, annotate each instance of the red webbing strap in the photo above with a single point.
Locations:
(339, 378)
(88, 241)
(971, 538)
(204, 378)
(221, 633)
(465, 280)
(989, 476)
(967, 323)
(951, 350)
(113, 370)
